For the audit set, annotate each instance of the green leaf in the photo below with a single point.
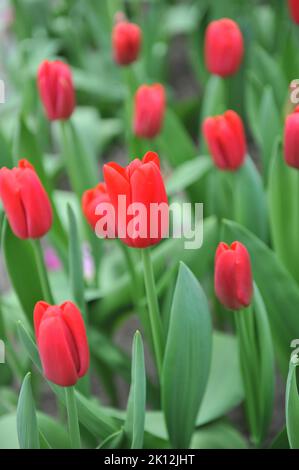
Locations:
(21, 267)
(284, 210)
(8, 432)
(114, 441)
(54, 432)
(281, 440)
(134, 424)
(75, 262)
(187, 358)
(26, 417)
(188, 173)
(218, 435)
(292, 403)
(279, 290)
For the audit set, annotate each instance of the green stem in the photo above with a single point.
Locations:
(153, 306)
(42, 271)
(72, 413)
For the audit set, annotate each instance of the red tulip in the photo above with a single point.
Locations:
(62, 342)
(226, 140)
(126, 40)
(294, 10)
(56, 89)
(134, 191)
(233, 277)
(149, 110)
(291, 139)
(91, 199)
(224, 47)
(25, 201)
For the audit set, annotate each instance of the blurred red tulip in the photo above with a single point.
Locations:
(291, 139)
(233, 277)
(62, 342)
(141, 185)
(226, 140)
(294, 10)
(224, 47)
(126, 41)
(149, 110)
(91, 199)
(25, 201)
(56, 89)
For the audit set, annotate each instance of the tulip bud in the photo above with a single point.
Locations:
(126, 40)
(91, 199)
(294, 10)
(142, 189)
(291, 139)
(25, 201)
(224, 47)
(62, 342)
(226, 140)
(149, 110)
(233, 277)
(56, 89)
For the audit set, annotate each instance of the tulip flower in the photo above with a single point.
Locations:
(291, 139)
(133, 192)
(62, 342)
(233, 277)
(56, 89)
(126, 41)
(294, 10)
(224, 47)
(226, 140)
(149, 110)
(25, 201)
(91, 199)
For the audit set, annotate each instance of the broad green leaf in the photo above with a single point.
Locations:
(75, 263)
(54, 432)
(281, 440)
(214, 98)
(279, 290)
(292, 403)
(187, 358)
(115, 441)
(187, 174)
(21, 267)
(284, 210)
(134, 424)
(8, 432)
(218, 435)
(28, 433)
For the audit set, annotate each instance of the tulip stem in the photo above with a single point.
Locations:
(42, 272)
(72, 413)
(153, 306)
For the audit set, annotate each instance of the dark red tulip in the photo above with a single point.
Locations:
(233, 277)
(56, 89)
(224, 47)
(149, 110)
(134, 191)
(91, 200)
(294, 10)
(291, 139)
(62, 342)
(25, 201)
(226, 140)
(126, 41)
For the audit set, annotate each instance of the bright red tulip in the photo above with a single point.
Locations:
(91, 199)
(134, 191)
(226, 140)
(149, 110)
(56, 89)
(224, 47)
(126, 41)
(233, 277)
(62, 342)
(294, 10)
(291, 139)
(25, 201)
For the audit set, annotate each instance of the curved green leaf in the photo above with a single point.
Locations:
(28, 434)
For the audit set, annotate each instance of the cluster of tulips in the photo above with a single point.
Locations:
(62, 332)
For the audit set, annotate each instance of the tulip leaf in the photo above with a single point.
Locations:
(75, 262)
(281, 440)
(187, 174)
(114, 441)
(26, 417)
(134, 424)
(278, 289)
(21, 267)
(284, 210)
(218, 435)
(187, 358)
(292, 403)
